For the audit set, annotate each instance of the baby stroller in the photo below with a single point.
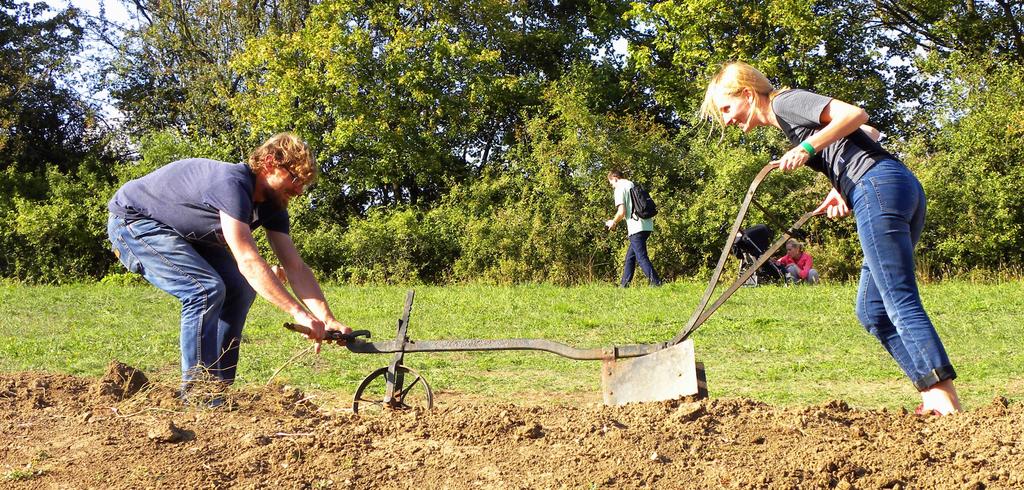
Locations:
(749, 245)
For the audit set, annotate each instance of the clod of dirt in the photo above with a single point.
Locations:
(530, 431)
(253, 440)
(688, 412)
(166, 431)
(121, 381)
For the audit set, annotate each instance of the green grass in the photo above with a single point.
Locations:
(779, 345)
(24, 474)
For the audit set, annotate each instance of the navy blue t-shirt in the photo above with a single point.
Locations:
(188, 195)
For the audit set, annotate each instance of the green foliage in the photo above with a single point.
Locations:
(60, 238)
(171, 70)
(24, 474)
(387, 70)
(469, 140)
(53, 224)
(159, 148)
(405, 98)
(812, 44)
(951, 27)
(972, 169)
(54, 157)
(399, 246)
(538, 231)
(541, 218)
(320, 247)
(122, 279)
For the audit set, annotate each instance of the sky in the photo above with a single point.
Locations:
(115, 9)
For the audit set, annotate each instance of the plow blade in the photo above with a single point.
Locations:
(664, 375)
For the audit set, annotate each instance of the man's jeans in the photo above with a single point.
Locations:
(637, 252)
(215, 297)
(889, 206)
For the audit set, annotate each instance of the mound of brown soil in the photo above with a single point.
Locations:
(121, 381)
(58, 432)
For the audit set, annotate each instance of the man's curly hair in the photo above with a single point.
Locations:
(288, 151)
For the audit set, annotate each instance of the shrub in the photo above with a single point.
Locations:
(401, 245)
(972, 171)
(60, 238)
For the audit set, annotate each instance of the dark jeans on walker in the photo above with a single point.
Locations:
(889, 206)
(215, 297)
(637, 252)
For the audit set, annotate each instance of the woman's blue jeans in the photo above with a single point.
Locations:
(215, 297)
(889, 206)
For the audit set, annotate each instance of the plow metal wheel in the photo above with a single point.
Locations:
(411, 391)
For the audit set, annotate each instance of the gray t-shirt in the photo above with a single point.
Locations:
(622, 196)
(188, 195)
(843, 162)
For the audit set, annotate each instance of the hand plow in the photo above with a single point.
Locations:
(630, 373)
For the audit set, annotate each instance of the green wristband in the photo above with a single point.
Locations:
(808, 148)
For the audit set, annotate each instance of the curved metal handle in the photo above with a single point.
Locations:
(694, 322)
(329, 335)
(704, 310)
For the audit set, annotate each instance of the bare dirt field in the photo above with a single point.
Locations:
(59, 431)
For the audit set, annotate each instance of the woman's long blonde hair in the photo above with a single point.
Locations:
(731, 79)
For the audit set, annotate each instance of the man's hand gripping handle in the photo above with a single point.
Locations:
(329, 335)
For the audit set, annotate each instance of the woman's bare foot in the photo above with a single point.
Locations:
(941, 397)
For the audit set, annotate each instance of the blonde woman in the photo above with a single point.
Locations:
(887, 201)
(187, 229)
(799, 265)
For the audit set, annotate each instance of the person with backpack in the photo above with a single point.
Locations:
(887, 201)
(634, 205)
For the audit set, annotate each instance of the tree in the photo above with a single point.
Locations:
(403, 98)
(971, 168)
(812, 44)
(970, 27)
(172, 70)
(43, 120)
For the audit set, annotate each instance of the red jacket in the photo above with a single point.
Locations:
(804, 263)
